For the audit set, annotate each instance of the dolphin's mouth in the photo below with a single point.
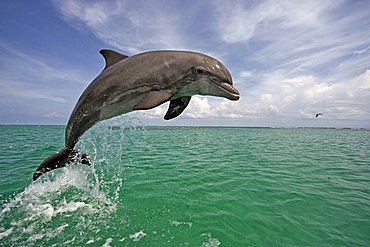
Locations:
(231, 92)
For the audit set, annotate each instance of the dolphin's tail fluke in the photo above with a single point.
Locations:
(60, 159)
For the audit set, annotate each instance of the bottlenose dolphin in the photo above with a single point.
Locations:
(140, 82)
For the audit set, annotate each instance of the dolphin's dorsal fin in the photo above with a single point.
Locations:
(111, 57)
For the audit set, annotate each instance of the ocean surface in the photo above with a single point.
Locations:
(187, 186)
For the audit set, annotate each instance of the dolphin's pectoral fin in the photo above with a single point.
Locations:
(111, 57)
(153, 99)
(177, 106)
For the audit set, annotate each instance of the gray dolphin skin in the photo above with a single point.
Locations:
(140, 82)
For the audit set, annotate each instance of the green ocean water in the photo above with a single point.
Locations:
(187, 186)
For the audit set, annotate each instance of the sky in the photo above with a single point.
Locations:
(289, 59)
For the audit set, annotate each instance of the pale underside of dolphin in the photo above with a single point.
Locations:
(140, 82)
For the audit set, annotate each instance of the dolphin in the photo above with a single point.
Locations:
(140, 82)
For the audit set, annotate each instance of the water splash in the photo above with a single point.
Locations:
(74, 200)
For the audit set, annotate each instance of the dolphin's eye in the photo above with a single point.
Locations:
(201, 71)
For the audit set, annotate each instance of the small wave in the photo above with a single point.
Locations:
(211, 242)
(107, 242)
(179, 223)
(6, 233)
(90, 241)
(137, 235)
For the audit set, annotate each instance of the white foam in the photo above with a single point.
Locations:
(35, 237)
(70, 177)
(55, 232)
(90, 241)
(107, 242)
(179, 223)
(137, 235)
(36, 197)
(60, 228)
(211, 242)
(41, 201)
(72, 206)
(74, 188)
(6, 233)
(67, 243)
(6, 209)
(46, 210)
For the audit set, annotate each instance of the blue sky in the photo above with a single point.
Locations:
(289, 59)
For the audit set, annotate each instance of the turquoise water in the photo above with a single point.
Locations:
(182, 186)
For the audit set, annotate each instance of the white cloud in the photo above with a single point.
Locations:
(363, 81)
(25, 77)
(95, 15)
(299, 36)
(241, 21)
(296, 35)
(246, 74)
(35, 69)
(199, 108)
(54, 115)
(125, 25)
(26, 91)
(362, 50)
(236, 23)
(302, 96)
(157, 112)
(313, 56)
(292, 59)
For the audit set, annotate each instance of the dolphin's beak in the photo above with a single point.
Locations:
(229, 91)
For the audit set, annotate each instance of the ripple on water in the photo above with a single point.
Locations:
(199, 186)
